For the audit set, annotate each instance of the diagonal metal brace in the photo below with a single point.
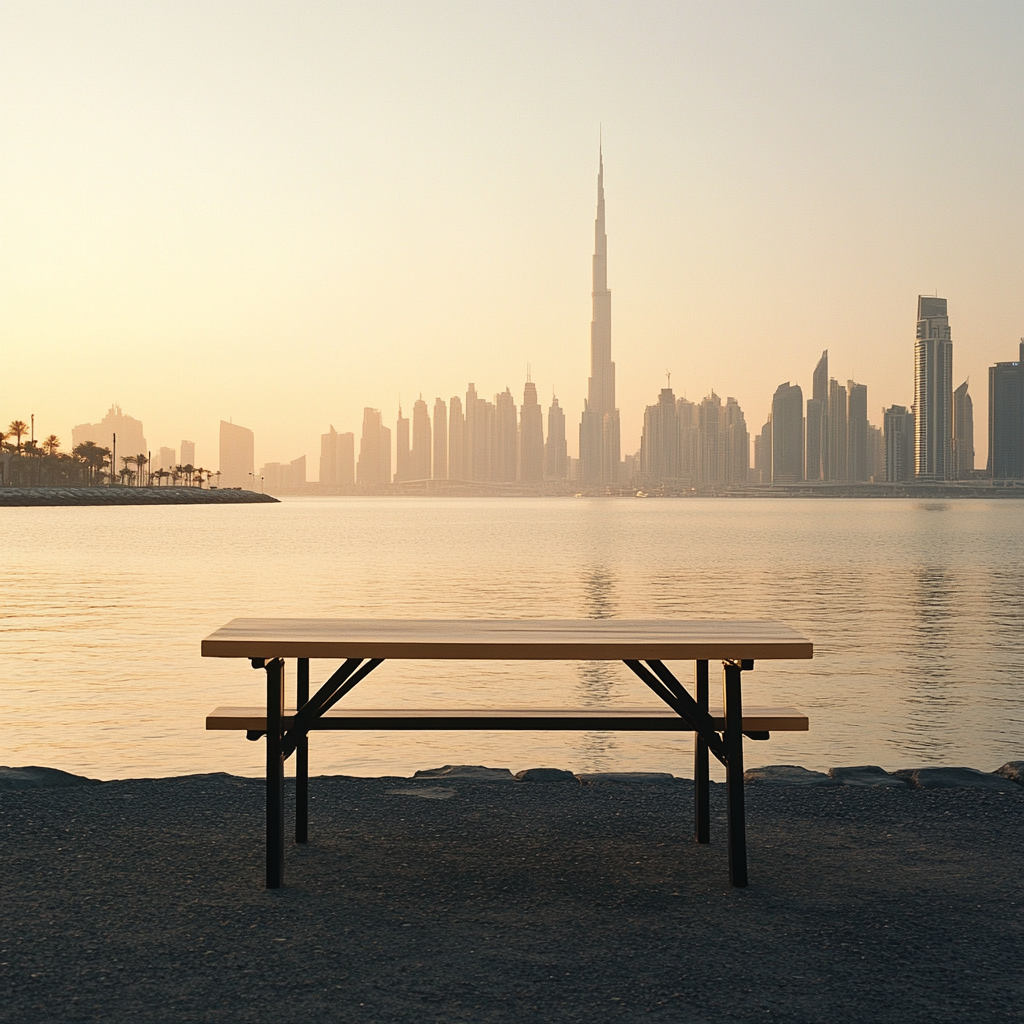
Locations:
(325, 698)
(674, 694)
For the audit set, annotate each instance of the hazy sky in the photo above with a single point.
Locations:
(283, 212)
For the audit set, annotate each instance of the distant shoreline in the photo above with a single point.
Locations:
(463, 489)
(28, 497)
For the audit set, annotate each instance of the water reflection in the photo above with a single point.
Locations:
(914, 610)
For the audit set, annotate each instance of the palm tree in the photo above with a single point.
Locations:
(141, 461)
(94, 457)
(18, 428)
(51, 445)
(188, 471)
(176, 473)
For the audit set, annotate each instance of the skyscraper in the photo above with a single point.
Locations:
(337, 463)
(374, 466)
(531, 436)
(736, 443)
(599, 427)
(422, 442)
(440, 440)
(506, 438)
(188, 453)
(456, 440)
(857, 463)
(933, 391)
(556, 465)
(837, 440)
(1006, 419)
(817, 422)
(237, 460)
(788, 434)
(963, 434)
(689, 441)
(403, 452)
(711, 464)
(898, 427)
(659, 442)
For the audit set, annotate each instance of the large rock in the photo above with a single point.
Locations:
(867, 775)
(1012, 770)
(546, 775)
(955, 778)
(590, 778)
(34, 777)
(464, 771)
(787, 775)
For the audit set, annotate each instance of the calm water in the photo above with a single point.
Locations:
(916, 611)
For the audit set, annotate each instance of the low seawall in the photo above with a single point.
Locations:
(39, 496)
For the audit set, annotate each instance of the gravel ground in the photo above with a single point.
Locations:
(510, 901)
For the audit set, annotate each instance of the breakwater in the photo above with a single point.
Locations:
(43, 496)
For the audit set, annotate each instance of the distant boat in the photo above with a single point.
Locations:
(577, 495)
(642, 494)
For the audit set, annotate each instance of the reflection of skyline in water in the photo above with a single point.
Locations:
(915, 611)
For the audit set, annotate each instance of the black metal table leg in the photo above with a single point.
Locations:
(275, 773)
(734, 776)
(701, 775)
(302, 759)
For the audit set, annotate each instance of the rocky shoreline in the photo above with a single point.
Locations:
(12, 497)
(471, 895)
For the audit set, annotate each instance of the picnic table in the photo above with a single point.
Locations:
(643, 646)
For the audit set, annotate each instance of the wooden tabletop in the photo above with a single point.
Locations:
(508, 639)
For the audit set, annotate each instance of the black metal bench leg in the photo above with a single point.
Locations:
(734, 776)
(302, 759)
(275, 773)
(701, 799)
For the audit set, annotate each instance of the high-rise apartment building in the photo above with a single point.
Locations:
(479, 433)
(505, 457)
(763, 453)
(838, 447)
(735, 443)
(531, 437)
(556, 465)
(688, 418)
(440, 469)
(788, 434)
(456, 440)
(711, 463)
(933, 391)
(422, 442)
(374, 466)
(237, 456)
(599, 427)
(876, 454)
(857, 463)
(963, 434)
(1006, 419)
(659, 441)
(188, 453)
(817, 423)
(166, 459)
(403, 451)
(337, 459)
(898, 428)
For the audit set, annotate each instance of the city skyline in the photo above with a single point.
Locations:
(199, 206)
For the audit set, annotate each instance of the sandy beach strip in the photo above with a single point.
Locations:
(451, 899)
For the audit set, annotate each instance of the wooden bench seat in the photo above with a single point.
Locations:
(757, 722)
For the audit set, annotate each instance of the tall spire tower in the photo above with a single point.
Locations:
(599, 428)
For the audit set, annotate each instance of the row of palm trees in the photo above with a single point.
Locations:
(36, 463)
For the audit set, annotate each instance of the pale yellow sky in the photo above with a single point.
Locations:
(283, 212)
